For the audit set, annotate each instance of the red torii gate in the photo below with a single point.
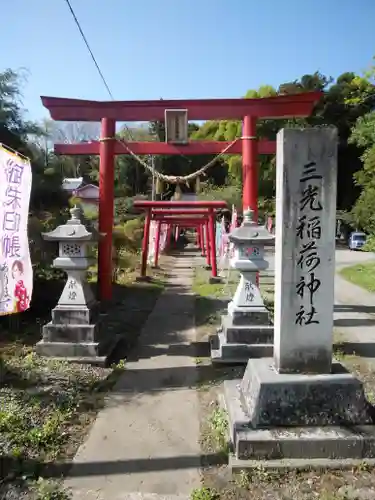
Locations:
(183, 214)
(108, 112)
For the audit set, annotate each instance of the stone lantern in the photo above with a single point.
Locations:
(246, 330)
(73, 331)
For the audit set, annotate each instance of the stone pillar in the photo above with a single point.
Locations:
(305, 250)
(300, 405)
(246, 330)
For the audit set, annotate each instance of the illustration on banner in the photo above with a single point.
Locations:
(16, 276)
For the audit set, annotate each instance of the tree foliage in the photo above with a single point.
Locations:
(363, 136)
(344, 101)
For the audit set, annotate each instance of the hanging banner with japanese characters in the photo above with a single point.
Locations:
(16, 275)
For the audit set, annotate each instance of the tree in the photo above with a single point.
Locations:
(343, 102)
(363, 136)
(14, 130)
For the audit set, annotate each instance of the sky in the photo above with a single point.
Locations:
(148, 49)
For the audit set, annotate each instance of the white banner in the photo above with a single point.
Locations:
(152, 241)
(16, 273)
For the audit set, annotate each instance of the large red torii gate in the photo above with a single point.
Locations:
(108, 112)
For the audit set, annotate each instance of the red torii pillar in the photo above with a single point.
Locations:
(106, 208)
(250, 165)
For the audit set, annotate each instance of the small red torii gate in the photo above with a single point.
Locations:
(108, 112)
(184, 214)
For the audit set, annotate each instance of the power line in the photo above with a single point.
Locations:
(95, 62)
(94, 59)
(89, 49)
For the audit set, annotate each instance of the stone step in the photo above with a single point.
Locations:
(289, 443)
(305, 442)
(76, 315)
(257, 316)
(71, 332)
(246, 334)
(68, 349)
(222, 352)
(297, 464)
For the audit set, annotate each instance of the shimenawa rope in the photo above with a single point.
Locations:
(175, 179)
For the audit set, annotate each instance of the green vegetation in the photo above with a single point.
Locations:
(204, 494)
(218, 422)
(362, 275)
(210, 298)
(43, 413)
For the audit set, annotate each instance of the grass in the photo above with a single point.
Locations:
(362, 275)
(210, 299)
(47, 406)
(218, 423)
(204, 494)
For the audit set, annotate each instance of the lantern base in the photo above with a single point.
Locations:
(247, 316)
(237, 341)
(79, 352)
(76, 333)
(236, 353)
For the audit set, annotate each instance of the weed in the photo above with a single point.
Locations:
(218, 422)
(243, 479)
(204, 494)
(328, 495)
(363, 467)
(119, 366)
(49, 490)
(199, 360)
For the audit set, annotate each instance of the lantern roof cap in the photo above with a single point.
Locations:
(73, 230)
(250, 231)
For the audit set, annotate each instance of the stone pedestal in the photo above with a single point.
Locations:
(246, 330)
(244, 333)
(74, 332)
(299, 406)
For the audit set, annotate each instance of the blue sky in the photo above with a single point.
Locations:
(149, 49)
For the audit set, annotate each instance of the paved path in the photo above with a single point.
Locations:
(354, 317)
(145, 444)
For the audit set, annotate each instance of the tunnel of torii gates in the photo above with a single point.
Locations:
(108, 112)
(182, 214)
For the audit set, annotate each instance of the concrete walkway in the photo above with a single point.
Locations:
(354, 316)
(145, 444)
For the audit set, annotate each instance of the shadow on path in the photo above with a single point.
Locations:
(361, 349)
(107, 468)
